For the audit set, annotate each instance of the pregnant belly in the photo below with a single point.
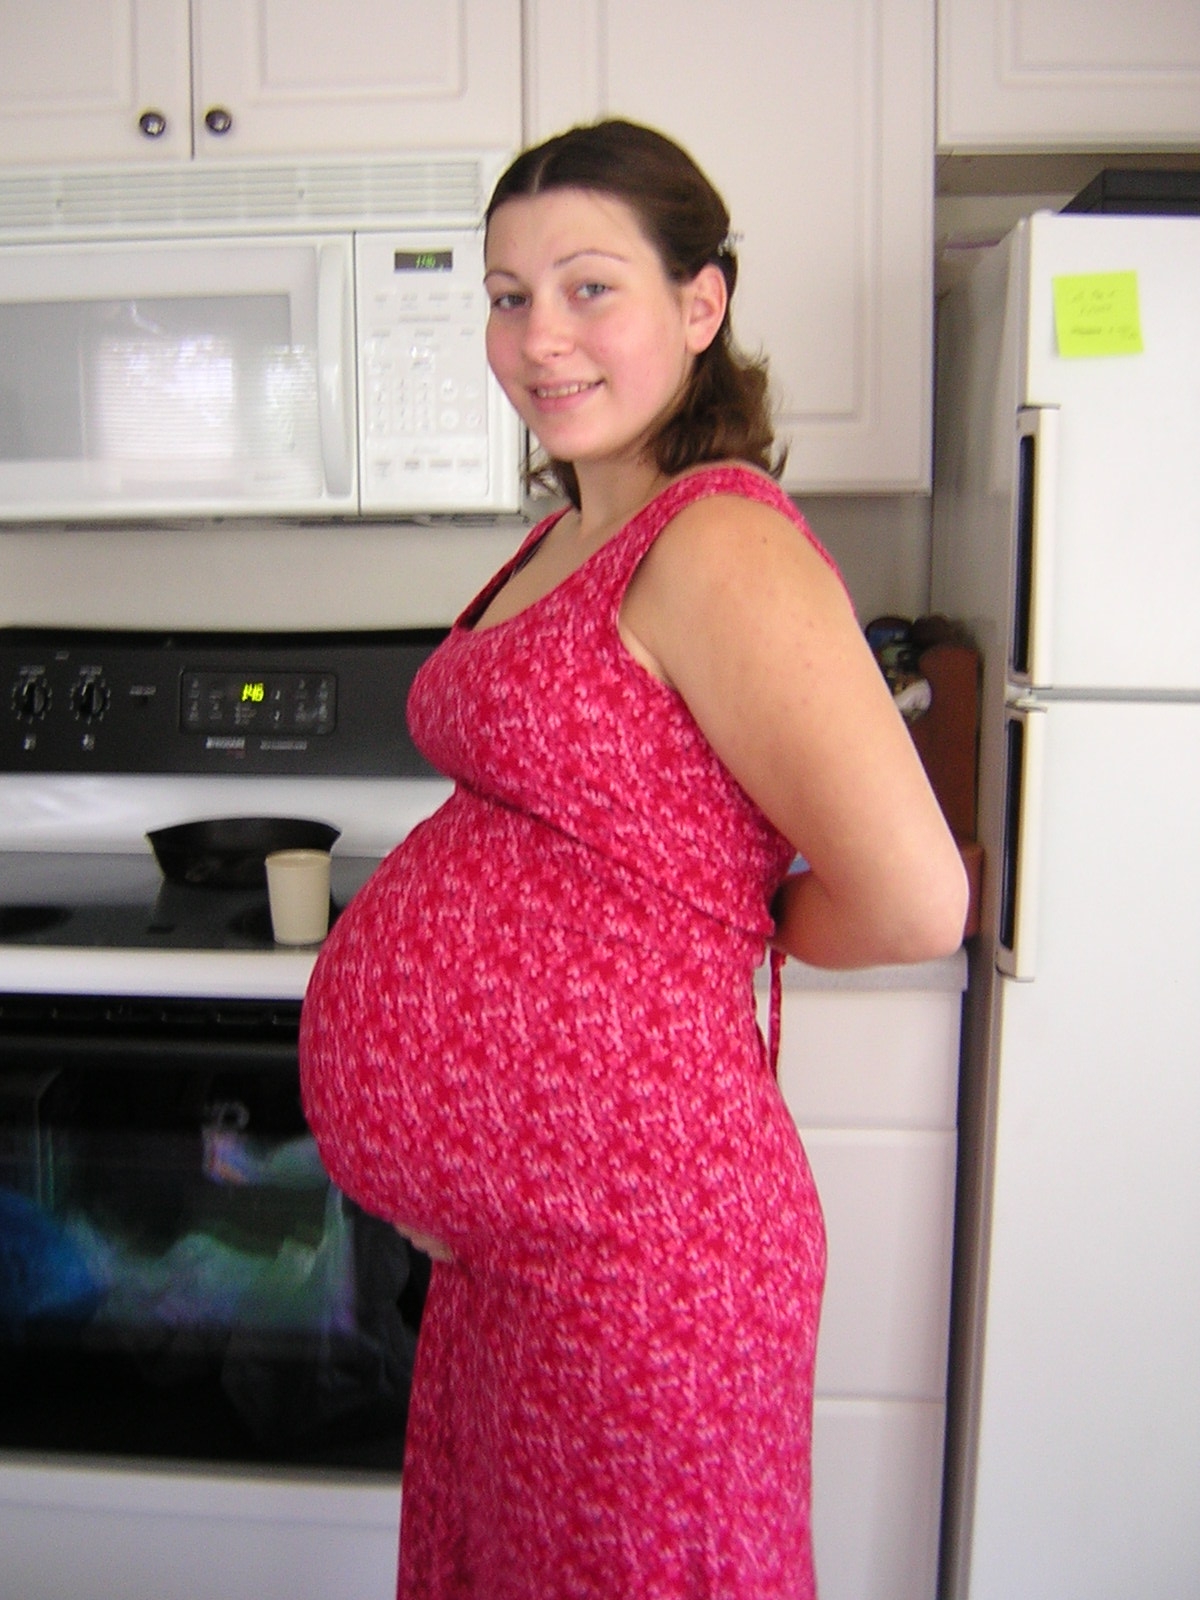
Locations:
(482, 1064)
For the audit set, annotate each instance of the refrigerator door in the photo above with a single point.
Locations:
(1115, 562)
(1087, 1404)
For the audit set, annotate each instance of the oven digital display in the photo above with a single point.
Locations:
(299, 703)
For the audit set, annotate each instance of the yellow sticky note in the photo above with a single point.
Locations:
(1096, 314)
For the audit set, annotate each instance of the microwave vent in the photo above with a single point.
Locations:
(429, 190)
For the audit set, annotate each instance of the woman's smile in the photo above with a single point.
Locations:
(552, 395)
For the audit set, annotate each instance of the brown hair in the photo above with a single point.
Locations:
(724, 411)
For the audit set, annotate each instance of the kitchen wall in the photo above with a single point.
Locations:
(226, 575)
(881, 544)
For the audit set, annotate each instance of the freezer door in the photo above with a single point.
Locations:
(1116, 574)
(1087, 1464)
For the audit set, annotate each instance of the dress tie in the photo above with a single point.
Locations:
(775, 1010)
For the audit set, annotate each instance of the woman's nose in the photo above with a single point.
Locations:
(547, 329)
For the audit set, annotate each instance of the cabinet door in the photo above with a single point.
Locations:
(297, 76)
(1099, 74)
(870, 1076)
(884, 1457)
(888, 1199)
(815, 121)
(91, 80)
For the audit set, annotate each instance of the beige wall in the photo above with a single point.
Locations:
(365, 575)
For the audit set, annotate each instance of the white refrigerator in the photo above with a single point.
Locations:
(1067, 537)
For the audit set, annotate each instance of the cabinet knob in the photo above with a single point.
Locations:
(218, 120)
(153, 124)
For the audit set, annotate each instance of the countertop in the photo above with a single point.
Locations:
(948, 975)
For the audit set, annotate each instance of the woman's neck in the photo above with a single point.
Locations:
(609, 497)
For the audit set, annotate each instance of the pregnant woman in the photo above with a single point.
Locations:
(530, 1042)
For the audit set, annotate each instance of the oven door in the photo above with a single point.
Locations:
(178, 1277)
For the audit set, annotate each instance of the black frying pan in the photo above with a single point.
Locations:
(230, 852)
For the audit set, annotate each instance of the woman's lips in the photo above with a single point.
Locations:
(559, 396)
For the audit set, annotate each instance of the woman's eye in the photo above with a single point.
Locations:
(591, 291)
(509, 301)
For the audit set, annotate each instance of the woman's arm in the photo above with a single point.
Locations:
(742, 615)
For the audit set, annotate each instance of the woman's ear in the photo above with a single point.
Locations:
(705, 303)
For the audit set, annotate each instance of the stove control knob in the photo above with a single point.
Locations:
(31, 697)
(89, 699)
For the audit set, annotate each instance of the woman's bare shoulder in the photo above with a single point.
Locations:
(731, 548)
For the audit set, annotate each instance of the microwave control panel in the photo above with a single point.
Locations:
(428, 420)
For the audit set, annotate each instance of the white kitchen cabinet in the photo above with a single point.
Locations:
(815, 120)
(883, 1460)
(378, 75)
(1067, 74)
(869, 1069)
(77, 76)
(143, 80)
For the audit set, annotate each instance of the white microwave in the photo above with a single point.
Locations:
(255, 367)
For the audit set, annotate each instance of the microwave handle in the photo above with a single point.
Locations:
(334, 370)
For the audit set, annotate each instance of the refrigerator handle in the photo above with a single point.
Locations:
(1033, 559)
(335, 375)
(1021, 853)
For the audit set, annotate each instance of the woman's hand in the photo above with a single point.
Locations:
(741, 614)
(433, 1248)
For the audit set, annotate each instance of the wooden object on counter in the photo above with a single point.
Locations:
(947, 739)
(947, 736)
(972, 855)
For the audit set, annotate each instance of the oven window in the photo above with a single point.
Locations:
(178, 1277)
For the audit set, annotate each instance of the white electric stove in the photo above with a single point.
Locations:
(204, 1348)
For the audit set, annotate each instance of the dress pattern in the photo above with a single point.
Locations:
(532, 1035)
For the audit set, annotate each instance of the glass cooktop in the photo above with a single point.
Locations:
(123, 901)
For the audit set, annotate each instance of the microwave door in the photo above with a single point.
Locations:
(335, 369)
(181, 377)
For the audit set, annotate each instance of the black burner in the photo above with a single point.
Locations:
(124, 903)
(20, 924)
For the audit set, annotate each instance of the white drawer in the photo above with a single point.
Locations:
(871, 1059)
(877, 1480)
(888, 1198)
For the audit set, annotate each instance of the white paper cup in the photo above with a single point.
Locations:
(298, 891)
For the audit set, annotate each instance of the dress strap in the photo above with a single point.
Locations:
(619, 558)
(775, 1010)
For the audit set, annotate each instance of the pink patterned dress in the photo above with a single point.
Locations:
(532, 1035)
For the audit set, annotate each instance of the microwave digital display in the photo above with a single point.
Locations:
(423, 260)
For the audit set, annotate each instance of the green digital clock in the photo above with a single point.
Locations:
(423, 261)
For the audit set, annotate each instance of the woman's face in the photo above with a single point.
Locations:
(590, 340)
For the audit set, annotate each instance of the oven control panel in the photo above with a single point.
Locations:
(275, 704)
